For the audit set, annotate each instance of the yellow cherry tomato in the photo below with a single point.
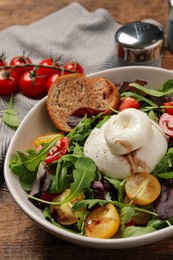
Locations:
(143, 188)
(63, 213)
(46, 138)
(102, 222)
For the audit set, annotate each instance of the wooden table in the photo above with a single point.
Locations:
(20, 237)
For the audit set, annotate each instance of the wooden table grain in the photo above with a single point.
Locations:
(20, 237)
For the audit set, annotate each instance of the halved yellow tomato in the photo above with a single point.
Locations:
(143, 188)
(63, 213)
(46, 138)
(102, 222)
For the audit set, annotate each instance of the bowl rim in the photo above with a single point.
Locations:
(115, 243)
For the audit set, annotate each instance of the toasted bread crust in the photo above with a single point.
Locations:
(73, 91)
(67, 94)
(107, 95)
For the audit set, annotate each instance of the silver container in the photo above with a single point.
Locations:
(139, 43)
(170, 25)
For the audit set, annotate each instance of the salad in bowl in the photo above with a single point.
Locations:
(97, 170)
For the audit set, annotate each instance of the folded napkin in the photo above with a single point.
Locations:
(72, 33)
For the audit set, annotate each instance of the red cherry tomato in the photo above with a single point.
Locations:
(50, 80)
(58, 150)
(73, 66)
(31, 85)
(169, 108)
(128, 102)
(47, 72)
(20, 61)
(48, 196)
(9, 82)
(166, 124)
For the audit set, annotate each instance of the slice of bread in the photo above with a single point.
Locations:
(73, 91)
(107, 95)
(67, 94)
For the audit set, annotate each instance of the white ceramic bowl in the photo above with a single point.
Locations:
(37, 122)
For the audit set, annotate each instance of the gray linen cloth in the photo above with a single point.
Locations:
(72, 33)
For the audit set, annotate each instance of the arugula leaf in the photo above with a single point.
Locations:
(17, 167)
(165, 164)
(158, 223)
(32, 158)
(119, 185)
(81, 131)
(26, 177)
(27, 180)
(105, 118)
(63, 175)
(168, 85)
(166, 175)
(151, 92)
(128, 207)
(139, 98)
(81, 216)
(10, 116)
(155, 222)
(153, 116)
(133, 231)
(83, 174)
(126, 213)
(77, 149)
(88, 203)
(65, 178)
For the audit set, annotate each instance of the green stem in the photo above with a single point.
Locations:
(59, 68)
(11, 102)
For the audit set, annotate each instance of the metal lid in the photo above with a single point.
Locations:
(170, 10)
(139, 41)
(170, 2)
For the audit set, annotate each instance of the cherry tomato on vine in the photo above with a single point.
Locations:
(50, 80)
(20, 61)
(9, 82)
(169, 107)
(47, 72)
(128, 102)
(31, 85)
(74, 66)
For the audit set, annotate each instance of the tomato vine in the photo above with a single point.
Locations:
(32, 80)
